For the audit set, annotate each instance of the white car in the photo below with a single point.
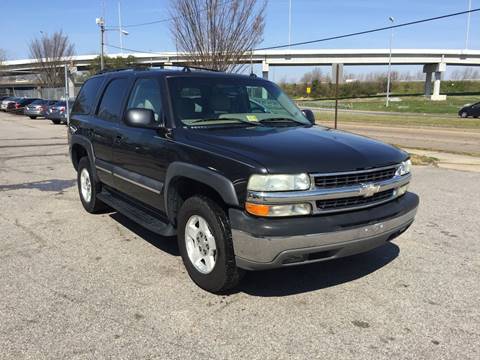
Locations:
(5, 102)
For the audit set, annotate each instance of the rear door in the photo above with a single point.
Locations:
(140, 155)
(104, 128)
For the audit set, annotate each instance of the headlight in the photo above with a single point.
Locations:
(404, 168)
(279, 182)
(278, 210)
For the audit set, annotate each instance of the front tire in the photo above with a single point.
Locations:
(56, 122)
(32, 117)
(205, 244)
(88, 188)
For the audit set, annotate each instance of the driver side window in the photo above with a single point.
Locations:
(146, 95)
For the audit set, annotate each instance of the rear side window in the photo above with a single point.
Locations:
(86, 98)
(110, 108)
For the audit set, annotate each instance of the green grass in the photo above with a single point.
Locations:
(407, 104)
(431, 120)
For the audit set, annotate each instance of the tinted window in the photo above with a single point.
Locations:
(86, 98)
(110, 105)
(146, 95)
(38, 102)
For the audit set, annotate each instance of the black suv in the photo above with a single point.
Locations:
(233, 168)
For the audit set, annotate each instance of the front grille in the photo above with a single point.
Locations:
(353, 202)
(340, 180)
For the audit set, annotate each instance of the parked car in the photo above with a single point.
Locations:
(18, 106)
(7, 101)
(185, 153)
(38, 108)
(57, 112)
(470, 110)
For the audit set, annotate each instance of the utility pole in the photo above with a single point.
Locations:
(389, 63)
(101, 23)
(467, 35)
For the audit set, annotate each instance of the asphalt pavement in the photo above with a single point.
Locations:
(80, 286)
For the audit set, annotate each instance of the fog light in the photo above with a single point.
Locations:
(278, 210)
(402, 190)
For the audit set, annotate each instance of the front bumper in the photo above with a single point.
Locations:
(261, 243)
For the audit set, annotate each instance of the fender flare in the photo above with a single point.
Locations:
(217, 182)
(87, 145)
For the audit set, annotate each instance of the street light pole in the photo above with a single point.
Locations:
(289, 23)
(120, 31)
(467, 35)
(101, 23)
(389, 63)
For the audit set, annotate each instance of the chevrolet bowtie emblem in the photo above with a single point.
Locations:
(367, 190)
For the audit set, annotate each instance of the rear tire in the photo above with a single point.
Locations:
(210, 243)
(56, 122)
(88, 188)
(32, 117)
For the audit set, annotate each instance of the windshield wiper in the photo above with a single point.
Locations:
(282, 119)
(227, 119)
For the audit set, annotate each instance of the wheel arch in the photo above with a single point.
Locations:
(184, 180)
(80, 147)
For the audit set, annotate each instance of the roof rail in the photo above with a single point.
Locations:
(189, 67)
(133, 68)
(185, 68)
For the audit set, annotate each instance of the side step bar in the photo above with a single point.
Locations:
(137, 214)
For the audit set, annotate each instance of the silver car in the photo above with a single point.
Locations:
(38, 108)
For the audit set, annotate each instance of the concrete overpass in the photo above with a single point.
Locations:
(434, 61)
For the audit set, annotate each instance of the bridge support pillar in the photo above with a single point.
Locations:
(71, 87)
(265, 69)
(438, 69)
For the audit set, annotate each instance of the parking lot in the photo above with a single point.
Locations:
(75, 285)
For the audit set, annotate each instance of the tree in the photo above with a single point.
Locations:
(217, 34)
(3, 56)
(51, 52)
(118, 62)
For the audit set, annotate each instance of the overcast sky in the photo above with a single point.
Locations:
(311, 19)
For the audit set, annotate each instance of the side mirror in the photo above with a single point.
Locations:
(141, 118)
(309, 115)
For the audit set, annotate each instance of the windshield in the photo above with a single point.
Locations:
(211, 101)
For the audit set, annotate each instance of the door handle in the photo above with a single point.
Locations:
(118, 139)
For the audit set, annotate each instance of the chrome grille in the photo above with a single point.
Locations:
(349, 179)
(353, 202)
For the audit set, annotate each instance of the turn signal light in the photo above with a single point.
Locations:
(278, 210)
(257, 209)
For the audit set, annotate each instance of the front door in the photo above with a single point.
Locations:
(139, 155)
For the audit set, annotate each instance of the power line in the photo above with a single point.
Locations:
(370, 31)
(342, 36)
(132, 50)
(164, 20)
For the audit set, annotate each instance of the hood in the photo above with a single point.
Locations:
(300, 149)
